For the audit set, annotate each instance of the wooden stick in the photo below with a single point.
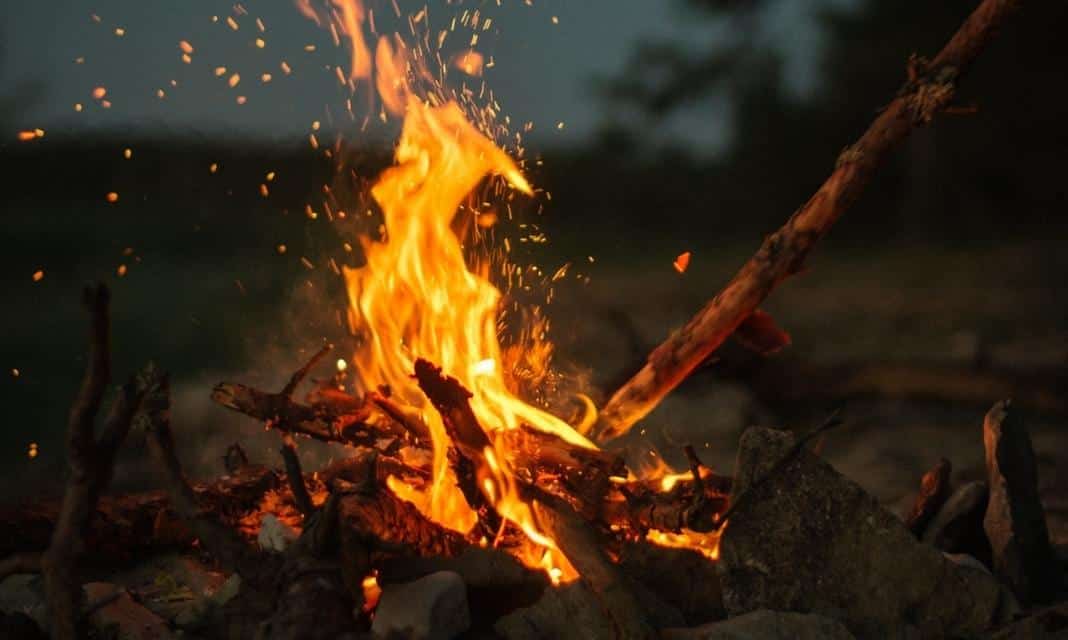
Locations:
(929, 91)
(295, 477)
(92, 460)
(221, 541)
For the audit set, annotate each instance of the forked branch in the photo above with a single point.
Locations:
(91, 459)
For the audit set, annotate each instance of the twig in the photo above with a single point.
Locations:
(222, 542)
(295, 477)
(829, 423)
(929, 91)
(299, 375)
(92, 460)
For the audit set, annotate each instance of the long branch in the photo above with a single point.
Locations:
(929, 90)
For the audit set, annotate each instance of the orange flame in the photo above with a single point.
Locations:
(416, 296)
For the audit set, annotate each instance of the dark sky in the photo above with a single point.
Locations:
(542, 74)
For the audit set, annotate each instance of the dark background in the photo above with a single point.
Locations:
(707, 125)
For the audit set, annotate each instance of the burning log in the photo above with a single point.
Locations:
(124, 527)
(91, 458)
(346, 421)
(930, 89)
(578, 540)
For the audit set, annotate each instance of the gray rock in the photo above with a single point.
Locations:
(765, 625)
(113, 611)
(24, 593)
(1015, 521)
(431, 608)
(568, 612)
(275, 535)
(663, 569)
(202, 611)
(1047, 624)
(958, 526)
(965, 560)
(19, 626)
(809, 540)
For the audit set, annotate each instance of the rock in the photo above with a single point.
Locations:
(965, 560)
(24, 594)
(765, 625)
(568, 612)
(275, 535)
(114, 611)
(496, 582)
(19, 626)
(663, 569)
(430, 608)
(809, 540)
(1047, 624)
(1015, 521)
(200, 612)
(958, 527)
(934, 490)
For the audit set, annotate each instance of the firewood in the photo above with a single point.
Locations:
(929, 90)
(339, 422)
(295, 477)
(91, 457)
(224, 543)
(576, 537)
(126, 527)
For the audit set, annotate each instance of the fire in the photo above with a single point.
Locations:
(419, 295)
(706, 543)
(417, 298)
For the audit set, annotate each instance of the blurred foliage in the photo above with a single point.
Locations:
(988, 175)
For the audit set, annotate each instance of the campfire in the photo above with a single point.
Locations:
(462, 503)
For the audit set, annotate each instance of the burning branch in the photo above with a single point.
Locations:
(91, 460)
(223, 543)
(929, 90)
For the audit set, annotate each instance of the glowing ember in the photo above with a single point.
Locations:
(706, 543)
(682, 262)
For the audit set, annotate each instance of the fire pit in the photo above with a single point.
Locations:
(461, 505)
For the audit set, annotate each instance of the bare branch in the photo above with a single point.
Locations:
(928, 92)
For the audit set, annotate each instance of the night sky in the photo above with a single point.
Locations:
(543, 73)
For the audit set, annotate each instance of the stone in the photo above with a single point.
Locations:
(431, 608)
(807, 539)
(567, 612)
(1047, 624)
(114, 611)
(275, 535)
(958, 526)
(200, 612)
(663, 569)
(765, 625)
(965, 560)
(19, 626)
(934, 490)
(1015, 522)
(24, 594)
